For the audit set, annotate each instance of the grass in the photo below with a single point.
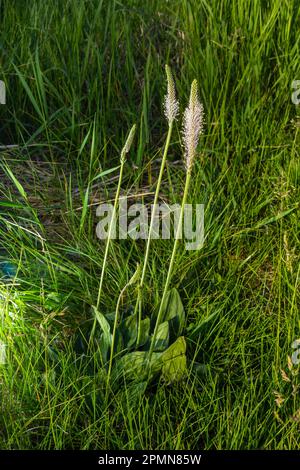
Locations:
(77, 77)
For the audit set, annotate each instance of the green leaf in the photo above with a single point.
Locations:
(106, 337)
(103, 348)
(30, 94)
(119, 343)
(133, 366)
(174, 361)
(173, 311)
(136, 275)
(106, 172)
(162, 337)
(15, 181)
(128, 327)
(145, 328)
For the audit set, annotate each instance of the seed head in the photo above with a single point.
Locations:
(128, 143)
(171, 105)
(135, 277)
(193, 121)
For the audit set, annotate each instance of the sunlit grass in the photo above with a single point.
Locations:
(77, 76)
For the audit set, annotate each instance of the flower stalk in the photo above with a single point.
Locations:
(171, 107)
(192, 128)
(124, 151)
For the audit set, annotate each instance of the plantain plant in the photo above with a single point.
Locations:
(171, 108)
(127, 346)
(192, 128)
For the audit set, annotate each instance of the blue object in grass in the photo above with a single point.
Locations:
(7, 269)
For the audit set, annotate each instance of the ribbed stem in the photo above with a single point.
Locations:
(169, 275)
(108, 240)
(138, 305)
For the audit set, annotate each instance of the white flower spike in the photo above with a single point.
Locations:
(171, 105)
(193, 121)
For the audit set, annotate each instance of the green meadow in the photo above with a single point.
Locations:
(75, 367)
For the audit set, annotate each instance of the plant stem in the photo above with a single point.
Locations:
(138, 305)
(113, 339)
(167, 283)
(108, 240)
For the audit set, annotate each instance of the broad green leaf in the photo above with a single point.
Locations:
(103, 348)
(128, 327)
(145, 328)
(134, 366)
(174, 361)
(119, 343)
(131, 365)
(162, 337)
(174, 312)
(106, 337)
(103, 324)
